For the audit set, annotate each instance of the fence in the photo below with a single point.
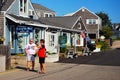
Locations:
(5, 51)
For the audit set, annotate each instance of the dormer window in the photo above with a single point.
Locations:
(23, 6)
(48, 15)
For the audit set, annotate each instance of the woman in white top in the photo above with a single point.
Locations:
(30, 50)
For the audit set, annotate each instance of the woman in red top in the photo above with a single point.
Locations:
(42, 55)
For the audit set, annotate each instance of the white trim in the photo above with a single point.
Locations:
(33, 8)
(84, 24)
(76, 22)
(86, 9)
(48, 14)
(11, 5)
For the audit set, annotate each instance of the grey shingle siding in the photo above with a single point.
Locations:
(14, 9)
(1, 24)
(6, 5)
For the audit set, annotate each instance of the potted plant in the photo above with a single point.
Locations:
(2, 40)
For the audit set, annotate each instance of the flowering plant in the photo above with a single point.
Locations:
(2, 39)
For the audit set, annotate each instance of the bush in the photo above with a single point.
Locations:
(20, 54)
(103, 45)
(63, 50)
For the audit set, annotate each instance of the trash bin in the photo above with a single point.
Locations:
(2, 63)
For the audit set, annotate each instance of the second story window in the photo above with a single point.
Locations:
(23, 6)
(91, 21)
(48, 15)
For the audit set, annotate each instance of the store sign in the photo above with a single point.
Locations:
(23, 29)
(62, 39)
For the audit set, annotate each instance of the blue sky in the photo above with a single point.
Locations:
(62, 7)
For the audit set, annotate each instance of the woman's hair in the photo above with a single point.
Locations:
(42, 40)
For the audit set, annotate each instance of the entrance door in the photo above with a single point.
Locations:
(51, 42)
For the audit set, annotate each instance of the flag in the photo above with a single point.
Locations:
(83, 35)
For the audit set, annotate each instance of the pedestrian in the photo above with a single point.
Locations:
(42, 55)
(30, 50)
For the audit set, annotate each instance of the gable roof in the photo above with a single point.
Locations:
(77, 13)
(40, 7)
(63, 22)
(7, 5)
(85, 9)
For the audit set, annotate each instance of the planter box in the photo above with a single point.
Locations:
(2, 63)
(97, 50)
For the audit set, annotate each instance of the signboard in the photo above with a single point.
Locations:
(23, 29)
(62, 39)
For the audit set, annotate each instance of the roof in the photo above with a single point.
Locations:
(65, 22)
(40, 23)
(40, 7)
(23, 18)
(7, 5)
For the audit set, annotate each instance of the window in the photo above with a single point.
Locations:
(23, 6)
(37, 35)
(78, 39)
(50, 15)
(51, 40)
(91, 21)
(94, 21)
(46, 15)
(12, 36)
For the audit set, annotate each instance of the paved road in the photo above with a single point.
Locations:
(99, 66)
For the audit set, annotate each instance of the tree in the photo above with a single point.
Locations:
(107, 32)
(106, 25)
(105, 19)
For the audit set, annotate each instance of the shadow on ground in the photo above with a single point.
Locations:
(24, 68)
(108, 58)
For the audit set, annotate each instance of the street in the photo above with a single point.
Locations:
(99, 66)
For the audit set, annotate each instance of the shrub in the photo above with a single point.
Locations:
(103, 45)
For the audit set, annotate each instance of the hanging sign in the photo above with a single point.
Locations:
(23, 29)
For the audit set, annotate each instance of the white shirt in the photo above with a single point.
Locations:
(31, 48)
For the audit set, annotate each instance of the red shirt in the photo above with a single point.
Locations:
(41, 52)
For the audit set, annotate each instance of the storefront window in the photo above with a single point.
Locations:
(37, 36)
(12, 36)
(51, 40)
(21, 40)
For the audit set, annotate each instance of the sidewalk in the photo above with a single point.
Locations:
(20, 72)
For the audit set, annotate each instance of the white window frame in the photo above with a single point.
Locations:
(49, 14)
(92, 21)
(51, 40)
(23, 13)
